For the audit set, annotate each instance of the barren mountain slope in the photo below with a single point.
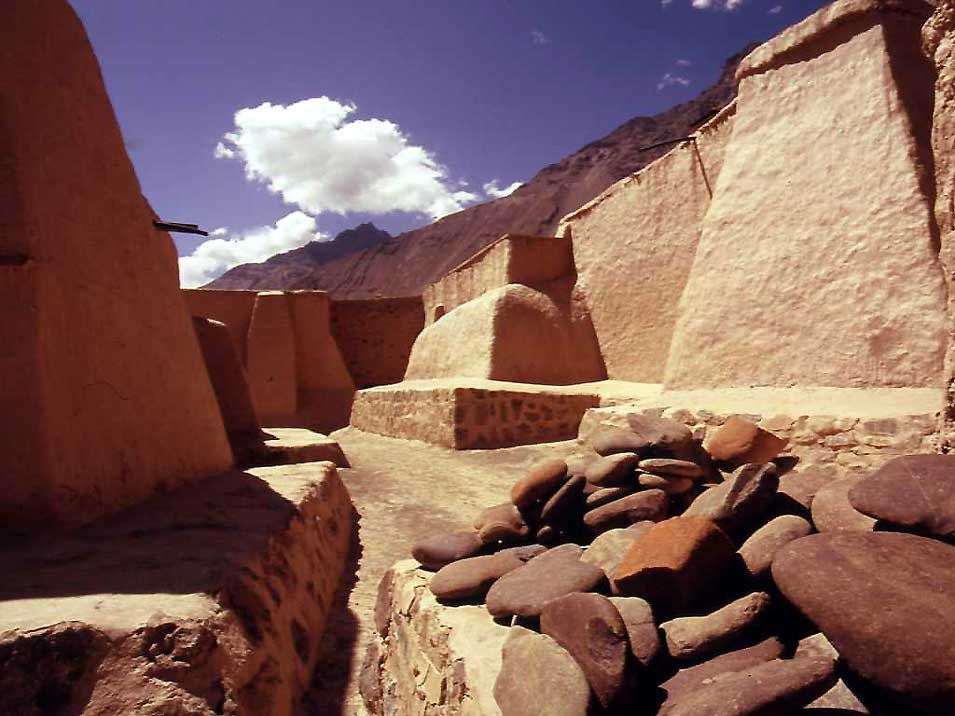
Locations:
(407, 263)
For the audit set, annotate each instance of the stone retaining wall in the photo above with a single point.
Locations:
(427, 658)
(211, 599)
(461, 417)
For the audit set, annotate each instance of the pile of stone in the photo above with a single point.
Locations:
(658, 574)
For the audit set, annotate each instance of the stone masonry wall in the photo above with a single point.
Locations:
(840, 445)
(375, 337)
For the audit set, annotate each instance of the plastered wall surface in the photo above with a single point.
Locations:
(634, 247)
(938, 38)
(529, 260)
(375, 337)
(512, 333)
(271, 364)
(817, 263)
(111, 400)
(233, 308)
(227, 376)
(325, 388)
(289, 350)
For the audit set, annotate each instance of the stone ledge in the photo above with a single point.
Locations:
(844, 430)
(471, 413)
(428, 658)
(839, 14)
(209, 599)
(291, 446)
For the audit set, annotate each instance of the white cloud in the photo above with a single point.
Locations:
(539, 38)
(670, 79)
(214, 257)
(729, 5)
(775, 10)
(221, 231)
(492, 190)
(665, 2)
(314, 158)
(683, 63)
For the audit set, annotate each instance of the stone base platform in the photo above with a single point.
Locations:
(210, 599)
(470, 413)
(290, 446)
(428, 658)
(845, 430)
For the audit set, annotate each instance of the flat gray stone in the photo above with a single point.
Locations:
(692, 678)
(779, 686)
(646, 505)
(472, 577)
(637, 615)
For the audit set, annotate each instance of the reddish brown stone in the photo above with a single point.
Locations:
(675, 563)
(739, 441)
(884, 600)
(436, 551)
(541, 481)
(612, 470)
(915, 492)
(647, 505)
(502, 523)
(590, 628)
(473, 576)
(552, 574)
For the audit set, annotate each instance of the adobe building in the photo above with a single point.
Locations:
(106, 400)
(146, 574)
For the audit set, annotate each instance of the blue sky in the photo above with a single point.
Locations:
(439, 97)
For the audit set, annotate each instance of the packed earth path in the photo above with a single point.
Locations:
(402, 490)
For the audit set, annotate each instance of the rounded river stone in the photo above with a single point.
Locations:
(647, 505)
(436, 551)
(671, 467)
(547, 576)
(915, 492)
(832, 511)
(733, 505)
(610, 441)
(538, 676)
(758, 551)
(612, 470)
(886, 601)
(664, 437)
(473, 576)
(541, 481)
(590, 628)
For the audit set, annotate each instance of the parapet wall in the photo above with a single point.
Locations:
(375, 337)
(634, 246)
(528, 260)
(818, 259)
(104, 399)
